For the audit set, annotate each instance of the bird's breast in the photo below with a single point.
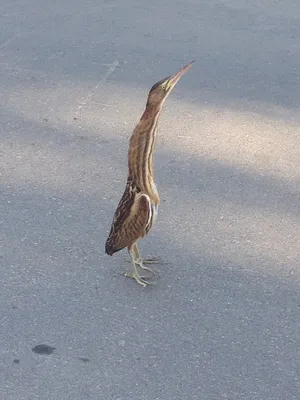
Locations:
(154, 195)
(153, 208)
(154, 212)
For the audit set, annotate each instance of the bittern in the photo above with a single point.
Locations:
(137, 209)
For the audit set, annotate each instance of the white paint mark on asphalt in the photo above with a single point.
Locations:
(102, 81)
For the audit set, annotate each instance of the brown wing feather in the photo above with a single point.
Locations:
(130, 220)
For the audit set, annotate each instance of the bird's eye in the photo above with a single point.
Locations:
(164, 86)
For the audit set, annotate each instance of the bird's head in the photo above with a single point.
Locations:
(160, 91)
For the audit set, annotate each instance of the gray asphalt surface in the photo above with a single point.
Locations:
(223, 321)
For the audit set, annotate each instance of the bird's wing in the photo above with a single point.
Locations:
(131, 219)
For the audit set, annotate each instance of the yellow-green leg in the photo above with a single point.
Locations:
(135, 274)
(140, 262)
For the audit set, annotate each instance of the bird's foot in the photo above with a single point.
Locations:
(142, 266)
(140, 263)
(139, 279)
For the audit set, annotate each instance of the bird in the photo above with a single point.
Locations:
(137, 209)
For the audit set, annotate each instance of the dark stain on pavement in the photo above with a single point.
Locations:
(84, 359)
(43, 349)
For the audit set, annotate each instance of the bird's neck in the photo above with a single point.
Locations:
(150, 112)
(141, 149)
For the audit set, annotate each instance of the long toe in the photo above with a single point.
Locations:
(146, 268)
(139, 279)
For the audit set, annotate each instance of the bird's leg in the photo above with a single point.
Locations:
(141, 262)
(135, 274)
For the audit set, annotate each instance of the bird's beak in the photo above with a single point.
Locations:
(175, 78)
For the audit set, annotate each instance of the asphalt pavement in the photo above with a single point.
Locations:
(223, 320)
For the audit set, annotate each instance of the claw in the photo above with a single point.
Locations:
(139, 279)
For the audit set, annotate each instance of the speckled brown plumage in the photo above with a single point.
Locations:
(132, 219)
(138, 206)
